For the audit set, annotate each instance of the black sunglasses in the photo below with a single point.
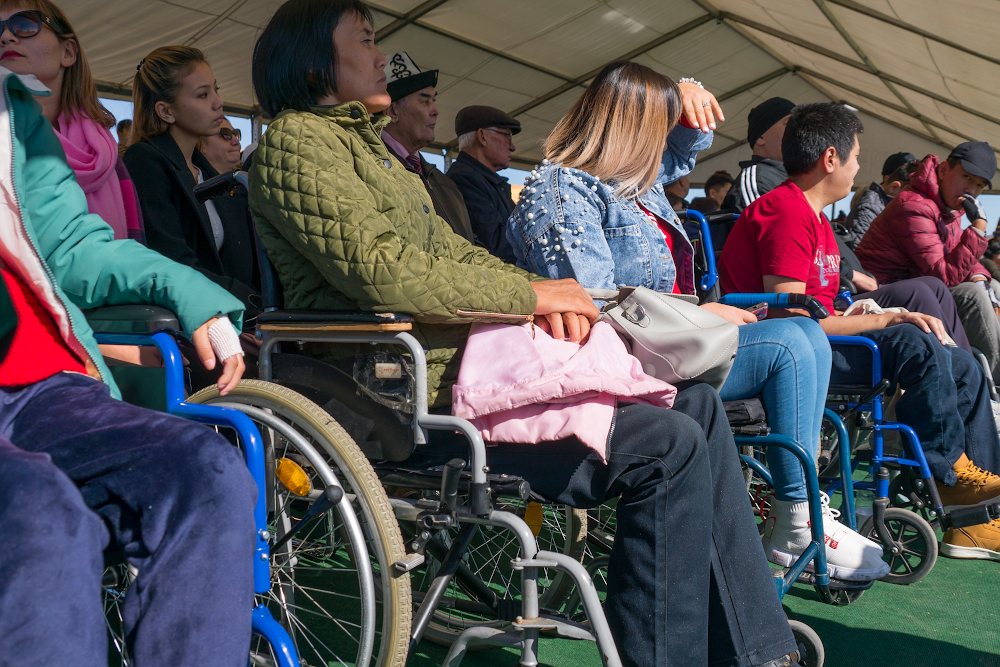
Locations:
(228, 134)
(27, 24)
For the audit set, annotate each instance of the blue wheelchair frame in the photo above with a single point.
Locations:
(872, 401)
(263, 623)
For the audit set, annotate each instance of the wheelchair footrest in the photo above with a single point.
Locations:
(556, 624)
(971, 516)
(809, 579)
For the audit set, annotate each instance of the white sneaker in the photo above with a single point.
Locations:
(849, 556)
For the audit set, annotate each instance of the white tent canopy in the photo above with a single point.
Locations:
(924, 75)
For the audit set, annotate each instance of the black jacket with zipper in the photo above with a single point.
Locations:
(178, 226)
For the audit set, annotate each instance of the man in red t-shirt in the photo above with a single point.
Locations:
(782, 243)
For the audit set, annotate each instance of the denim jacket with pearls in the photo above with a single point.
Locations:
(569, 224)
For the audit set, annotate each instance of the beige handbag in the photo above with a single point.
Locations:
(673, 338)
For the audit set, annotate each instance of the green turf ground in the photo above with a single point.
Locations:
(949, 619)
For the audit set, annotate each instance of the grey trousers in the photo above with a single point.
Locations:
(980, 321)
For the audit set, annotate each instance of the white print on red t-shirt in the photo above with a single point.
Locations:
(827, 266)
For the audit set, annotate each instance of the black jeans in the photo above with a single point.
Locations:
(946, 399)
(688, 582)
(80, 471)
(926, 295)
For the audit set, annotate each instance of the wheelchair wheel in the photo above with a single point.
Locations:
(114, 584)
(557, 528)
(920, 546)
(811, 651)
(316, 579)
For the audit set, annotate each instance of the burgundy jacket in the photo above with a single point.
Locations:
(916, 235)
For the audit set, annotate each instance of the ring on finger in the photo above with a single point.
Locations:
(706, 104)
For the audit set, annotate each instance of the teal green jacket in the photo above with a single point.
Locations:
(68, 256)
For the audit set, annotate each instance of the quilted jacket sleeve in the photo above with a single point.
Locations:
(311, 188)
(918, 237)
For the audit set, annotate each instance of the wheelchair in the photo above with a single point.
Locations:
(452, 550)
(149, 326)
(855, 408)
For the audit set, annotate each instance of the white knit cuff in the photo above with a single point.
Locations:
(224, 339)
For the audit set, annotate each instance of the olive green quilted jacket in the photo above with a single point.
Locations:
(348, 228)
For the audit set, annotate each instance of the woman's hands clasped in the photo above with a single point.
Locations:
(567, 309)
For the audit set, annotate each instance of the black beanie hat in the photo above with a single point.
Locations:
(763, 117)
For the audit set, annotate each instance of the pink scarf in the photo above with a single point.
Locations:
(92, 154)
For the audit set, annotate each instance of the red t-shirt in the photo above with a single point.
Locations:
(667, 232)
(37, 351)
(780, 235)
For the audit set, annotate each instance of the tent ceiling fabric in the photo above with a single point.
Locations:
(918, 71)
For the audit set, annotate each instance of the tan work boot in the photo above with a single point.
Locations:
(975, 486)
(982, 542)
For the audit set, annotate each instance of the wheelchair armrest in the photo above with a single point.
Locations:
(810, 303)
(131, 319)
(322, 320)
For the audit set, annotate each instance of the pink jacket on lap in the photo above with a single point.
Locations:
(520, 385)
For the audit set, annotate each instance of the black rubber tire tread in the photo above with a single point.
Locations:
(346, 458)
(926, 532)
(806, 638)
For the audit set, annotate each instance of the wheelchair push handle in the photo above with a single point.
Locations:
(220, 185)
(711, 274)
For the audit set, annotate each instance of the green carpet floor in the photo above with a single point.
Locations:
(949, 619)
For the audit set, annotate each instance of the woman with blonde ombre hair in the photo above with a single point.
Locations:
(596, 211)
(39, 40)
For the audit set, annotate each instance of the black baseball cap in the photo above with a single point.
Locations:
(895, 161)
(978, 159)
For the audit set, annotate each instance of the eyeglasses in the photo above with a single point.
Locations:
(507, 134)
(228, 134)
(26, 24)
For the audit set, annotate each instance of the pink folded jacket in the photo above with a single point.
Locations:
(515, 387)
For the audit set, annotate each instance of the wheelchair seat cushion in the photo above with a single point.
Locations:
(745, 412)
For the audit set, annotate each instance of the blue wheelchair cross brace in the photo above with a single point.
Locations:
(263, 623)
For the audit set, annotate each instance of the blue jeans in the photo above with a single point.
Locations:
(786, 362)
(79, 472)
(946, 399)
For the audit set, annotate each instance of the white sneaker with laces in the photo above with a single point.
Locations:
(849, 556)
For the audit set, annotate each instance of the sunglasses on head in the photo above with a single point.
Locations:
(27, 24)
(228, 134)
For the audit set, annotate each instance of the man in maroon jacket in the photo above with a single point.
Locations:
(920, 234)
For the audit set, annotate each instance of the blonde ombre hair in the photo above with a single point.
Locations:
(617, 130)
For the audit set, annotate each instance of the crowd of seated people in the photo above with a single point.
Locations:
(354, 218)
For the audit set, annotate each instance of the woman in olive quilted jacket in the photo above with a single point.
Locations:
(348, 228)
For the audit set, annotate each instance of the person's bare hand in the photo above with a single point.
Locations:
(737, 316)
(927, 324)
(560, 326)
(568, 309)
(864, 282)
(700, 107)
(232, 368)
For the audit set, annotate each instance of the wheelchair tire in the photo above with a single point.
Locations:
(811, 651)
(561, 528)
(319, 611)
(919, 543)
